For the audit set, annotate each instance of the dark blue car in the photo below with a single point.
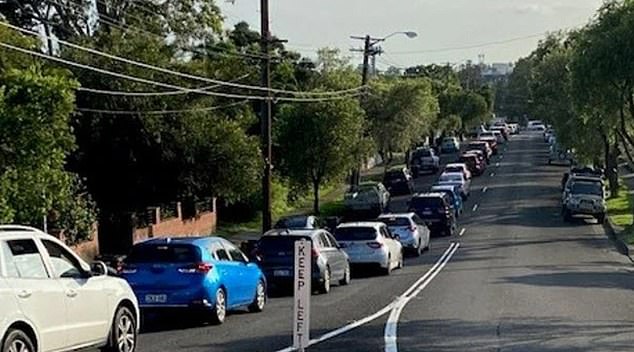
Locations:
(206, 274)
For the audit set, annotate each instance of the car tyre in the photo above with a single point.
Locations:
(601, 219)
(219, 311)
(567, 216)
(324, 288)
(123, 333)
(401, 262)
(388, 269)
(260, 298)
(419, 249)
(346, 276)
(18, 341)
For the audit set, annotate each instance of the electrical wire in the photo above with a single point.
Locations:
(148, 94)
(159, 112)
(167, 85)
(181, 74)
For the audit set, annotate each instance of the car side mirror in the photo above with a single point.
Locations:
(99, 268)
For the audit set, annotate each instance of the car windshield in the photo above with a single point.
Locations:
(587, 188)
(164, 253)
(361, 233)
(422, 153)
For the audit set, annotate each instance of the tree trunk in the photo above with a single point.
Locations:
(316, 209)
(626, 149)
(611, 164)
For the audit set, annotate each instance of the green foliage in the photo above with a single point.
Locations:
(400, 113)
(317, 141)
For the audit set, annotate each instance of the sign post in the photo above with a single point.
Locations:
(302, 292)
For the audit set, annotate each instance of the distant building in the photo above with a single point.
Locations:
(496, 72)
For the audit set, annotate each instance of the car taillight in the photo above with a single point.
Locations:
(197, 268)
(314, 252)
(412, 228)
(375, 245)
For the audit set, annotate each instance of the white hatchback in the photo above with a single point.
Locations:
(53, 301)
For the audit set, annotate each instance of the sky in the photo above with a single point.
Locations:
(515, 26)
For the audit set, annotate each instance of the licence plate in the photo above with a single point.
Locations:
(155, 298)
(586, 206)
(281, 273)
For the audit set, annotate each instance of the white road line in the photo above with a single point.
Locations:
(475, 207)
(381, 312)
(492, 174)
(462, 232)
(390, 334)
(497, 164)
(485, 189)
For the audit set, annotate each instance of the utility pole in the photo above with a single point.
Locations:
(265, 116)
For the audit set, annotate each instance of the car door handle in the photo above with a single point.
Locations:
(71, 293)
(24, 294)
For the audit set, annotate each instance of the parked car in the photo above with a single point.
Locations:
(479, 154)
(572, 179)
(454, 195)
(536, 127)
(450, 145)
(456, 178)
(503, 132)
(493, 143)
(371, 244)
(515, 128)
(424, 160)
(482, 146)
(368, 196)
(53, 301)
(587, 198)
(458, 167)
(558, 155)
(399, 181)
(297, 222)
(411, 230)
(436, 210)
(474, 163)
(503, 127)
(330, 263)
(206, 275)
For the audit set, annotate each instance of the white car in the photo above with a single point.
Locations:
(458, 167)
(370, 243)
(411, 230)
(456, 178)
(53, 301)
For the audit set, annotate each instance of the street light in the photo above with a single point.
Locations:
(409, 34)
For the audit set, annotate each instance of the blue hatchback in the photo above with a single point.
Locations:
(209, 274)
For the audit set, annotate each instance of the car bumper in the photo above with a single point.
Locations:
(199, 298)
(368, 259)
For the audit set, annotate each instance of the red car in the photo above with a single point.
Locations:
(474, 162)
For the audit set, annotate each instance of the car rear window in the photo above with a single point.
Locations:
(355, 234)
(164, 253)
(395, 221)
(278, 244)
(454, 169)
(295, 222)
(450, 178)
(426, 202)
(422, 153)
(394, 175)
(587, 188)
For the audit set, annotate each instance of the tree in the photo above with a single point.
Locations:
(317, 141)
(400, 113)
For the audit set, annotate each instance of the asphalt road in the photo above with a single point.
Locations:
(518, 279)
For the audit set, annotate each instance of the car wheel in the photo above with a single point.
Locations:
(123, 333)
(401, 262)
(388, 269)
(567, 216)
(219, 312)
(419, 249)
(346, 276)
(325, 285)
(260, 298)
(428, 248)
(601, 219)
(18, 341)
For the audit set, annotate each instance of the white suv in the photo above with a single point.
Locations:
(53, 301)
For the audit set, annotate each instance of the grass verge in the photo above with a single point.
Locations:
(621, 213)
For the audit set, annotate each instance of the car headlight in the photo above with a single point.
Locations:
(573, 201)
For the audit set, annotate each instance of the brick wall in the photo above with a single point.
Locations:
(203, 223)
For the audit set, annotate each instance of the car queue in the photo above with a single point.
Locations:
(210, 276)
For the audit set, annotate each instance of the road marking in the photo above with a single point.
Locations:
(485, 189)
(475, 207)
(462, 232)
(501, 157)
(492, 174)
(390, 334)
(384, 310)
(497, 164)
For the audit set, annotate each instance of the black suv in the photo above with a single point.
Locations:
(399, 181)
(436, 209)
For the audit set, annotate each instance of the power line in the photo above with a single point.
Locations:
(181, 74)
(149, 94)
(166, 85)
(159, 112)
